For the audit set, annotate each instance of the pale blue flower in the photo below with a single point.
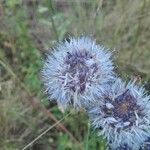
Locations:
(122, 115)
(76, 69)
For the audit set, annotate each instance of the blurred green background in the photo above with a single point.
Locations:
(27, 29)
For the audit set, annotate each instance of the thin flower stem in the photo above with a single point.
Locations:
(52, 117)
(38, 137)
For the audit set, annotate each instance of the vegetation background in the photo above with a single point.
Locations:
(27, 29)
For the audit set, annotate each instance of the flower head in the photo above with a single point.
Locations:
(123, 115)
(76, 69)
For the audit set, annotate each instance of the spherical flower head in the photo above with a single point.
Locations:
(74, 69)
(123, 115)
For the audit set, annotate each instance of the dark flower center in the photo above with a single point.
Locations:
(80, 67)
(124, 109)
(125, 106)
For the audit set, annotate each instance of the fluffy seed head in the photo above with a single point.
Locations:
(76, 69)
(123, 114)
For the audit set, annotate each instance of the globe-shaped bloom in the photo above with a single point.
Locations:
(75, 69)
(122, 115)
